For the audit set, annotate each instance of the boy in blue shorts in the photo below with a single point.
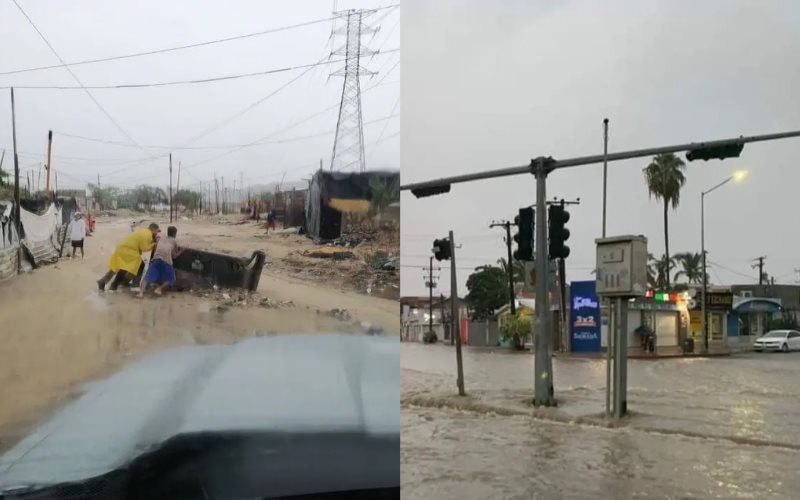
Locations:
(161, 270)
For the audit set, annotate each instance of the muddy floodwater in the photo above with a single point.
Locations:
(59, 332)
(698, 428)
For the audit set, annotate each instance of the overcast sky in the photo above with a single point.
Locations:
(493, 84)
(175, 116)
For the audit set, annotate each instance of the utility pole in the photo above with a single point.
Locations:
(49, 150)
(760, 267)
(511, 297)
(455, 318)
(605, 171)
(17, 218)
(431, 284)
(170, 188)
(216, 194)
(177, 188)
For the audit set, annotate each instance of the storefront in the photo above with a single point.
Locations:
(665, 314)
(755, 313)
(718, 309)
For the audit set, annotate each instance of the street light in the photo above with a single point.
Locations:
(737, 176)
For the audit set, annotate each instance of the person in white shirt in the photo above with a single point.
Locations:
(77, 233)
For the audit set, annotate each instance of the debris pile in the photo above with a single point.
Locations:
(240, 298)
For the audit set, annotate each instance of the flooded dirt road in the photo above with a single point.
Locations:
(58, 331)
(698, 428)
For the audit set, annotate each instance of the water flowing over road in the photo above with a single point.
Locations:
(698, 428)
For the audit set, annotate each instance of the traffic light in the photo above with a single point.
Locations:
(557, 219)
(524, 238)
(706, 153)
(441, 249)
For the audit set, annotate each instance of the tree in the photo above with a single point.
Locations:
(148, 196)
(383, 193)
(103, 196)
(665, 178)
(488, 291)
(692, 266)
(517, 267)
(188, 199)
(658, 271)
(516, 328)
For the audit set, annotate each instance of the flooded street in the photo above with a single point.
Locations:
(60, 332)
(698, 428)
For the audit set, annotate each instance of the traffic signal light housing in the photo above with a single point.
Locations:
(524, 238)
(706, 153)
(558, 233)
(441, 249)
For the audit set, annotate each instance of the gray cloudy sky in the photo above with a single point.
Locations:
(492, 84)
(171, 116)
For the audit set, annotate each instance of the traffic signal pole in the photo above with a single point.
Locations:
(542, 345)
(454, 313)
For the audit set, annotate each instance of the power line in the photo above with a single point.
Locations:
(64, 64)
(181, 47)
(179, 82)
(224, 146)
(387, 121)
(731, 270)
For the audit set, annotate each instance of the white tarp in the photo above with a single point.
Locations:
(40, 227)
(41, 234)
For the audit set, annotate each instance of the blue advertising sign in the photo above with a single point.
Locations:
(584, 317)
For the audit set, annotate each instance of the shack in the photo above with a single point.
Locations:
(330, 194)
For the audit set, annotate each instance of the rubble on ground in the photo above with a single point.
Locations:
(240, 298)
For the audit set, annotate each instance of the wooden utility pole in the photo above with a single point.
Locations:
(511, 297)
(178, 186)
(49, 156)
(17, 218)
(170, 188)
(431, 285)
(760, 267)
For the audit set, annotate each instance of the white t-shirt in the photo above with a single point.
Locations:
(78, 231)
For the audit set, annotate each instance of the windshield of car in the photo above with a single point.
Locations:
(776, 334)
(144, 291)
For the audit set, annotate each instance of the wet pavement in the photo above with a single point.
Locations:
(698, 428)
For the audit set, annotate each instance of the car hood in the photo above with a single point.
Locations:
(301, 384)
(770, 339)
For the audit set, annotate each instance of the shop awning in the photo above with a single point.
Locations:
(758, 305)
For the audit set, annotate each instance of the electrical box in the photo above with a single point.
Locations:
(622, 266)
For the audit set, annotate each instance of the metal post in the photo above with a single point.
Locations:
(18, 208)
(610, 333)
(703, 312)
(454, 308)
(605, 171)
(621, 361)
(562, 286)
(543, 362)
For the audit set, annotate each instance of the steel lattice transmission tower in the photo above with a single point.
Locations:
(348, 147)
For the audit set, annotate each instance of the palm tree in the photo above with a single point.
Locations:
(692, 264)
(384, 193)
(517, 267)
(665, 178)
(658, 271)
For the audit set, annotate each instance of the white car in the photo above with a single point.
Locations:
(778, 340)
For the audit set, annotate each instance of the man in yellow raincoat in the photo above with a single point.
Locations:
(127, 257)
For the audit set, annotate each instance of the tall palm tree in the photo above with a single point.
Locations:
(665, 178)
(692, 264)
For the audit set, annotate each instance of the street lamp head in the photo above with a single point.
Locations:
(739, 175)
